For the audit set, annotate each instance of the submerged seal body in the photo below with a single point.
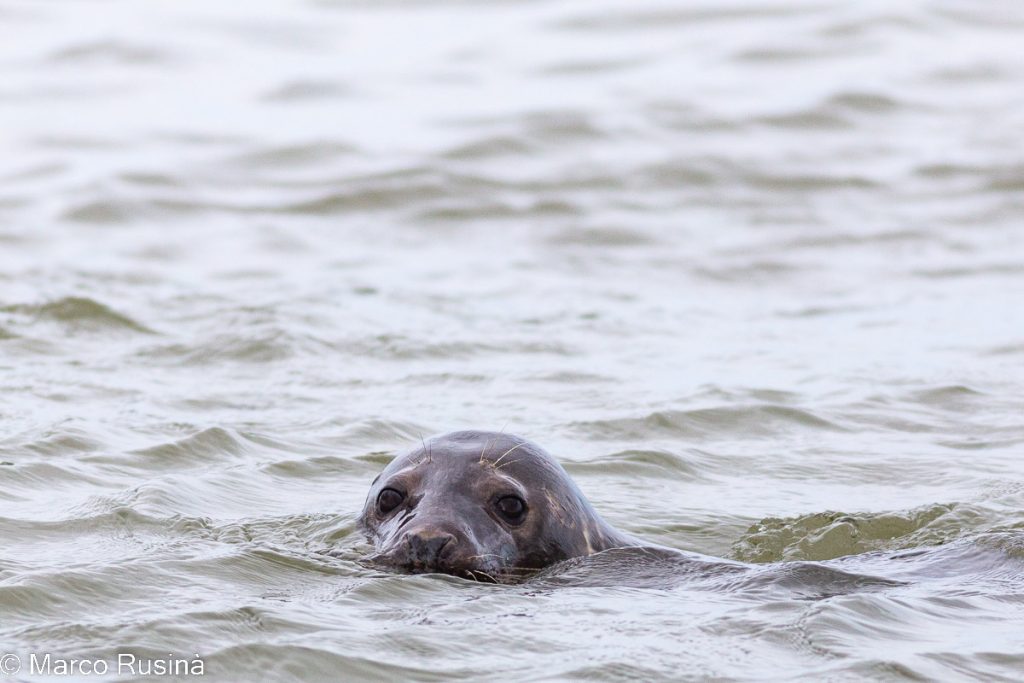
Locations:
(480, 505)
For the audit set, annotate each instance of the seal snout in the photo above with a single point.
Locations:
(427, 548)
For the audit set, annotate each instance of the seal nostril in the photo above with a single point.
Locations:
(425, 547)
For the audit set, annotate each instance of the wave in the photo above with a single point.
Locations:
(828, 535)
(78, 314)
(755, 420)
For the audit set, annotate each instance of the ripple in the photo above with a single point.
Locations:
(755, 272)
(294, 155)
(205, 447)
(667, 19)
(54, 442)
(673, 115)
(495, 210)
(571, 377)
(376, 432)
(867, 102)
(105, 211)
(1005, 350)
(806, 120)
(35, 172)
(807, 580)
(47, 477)
(436, 379)
(401, 347)
(1013, 270)
(301, 91)
(952, 397)
(592, 67)
(147, 179)
(490, 147)
(283, 662)
(808, 183)
(64, 593)
(255, 346)
(762, 420)
(638, 463)
(82, 527)
(558, 127)
(79, 314)
(681, 174)
(112, 51)
(827, 535)
(873, 23)
(792, 54)
(601, 237)
(376, 197)
(994, 177)
(836, 239)
(850, 626)
(324, 467)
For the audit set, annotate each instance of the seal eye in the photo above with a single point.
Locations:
(388, 500)
(512, 508)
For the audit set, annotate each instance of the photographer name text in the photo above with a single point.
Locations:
(125, 664)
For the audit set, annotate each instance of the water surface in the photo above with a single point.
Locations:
(751, 270)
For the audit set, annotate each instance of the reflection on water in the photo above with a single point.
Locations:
(751, 271)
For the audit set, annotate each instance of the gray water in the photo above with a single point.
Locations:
(752, 271)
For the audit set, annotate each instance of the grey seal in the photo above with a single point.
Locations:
(481, 505)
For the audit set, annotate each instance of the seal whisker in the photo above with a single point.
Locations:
(472, 574)
(521, 443)
(484, 451)
(493, 580)
(510, 462)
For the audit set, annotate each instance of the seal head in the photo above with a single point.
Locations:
(481, 505)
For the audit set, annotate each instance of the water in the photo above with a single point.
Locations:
(752, 271)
